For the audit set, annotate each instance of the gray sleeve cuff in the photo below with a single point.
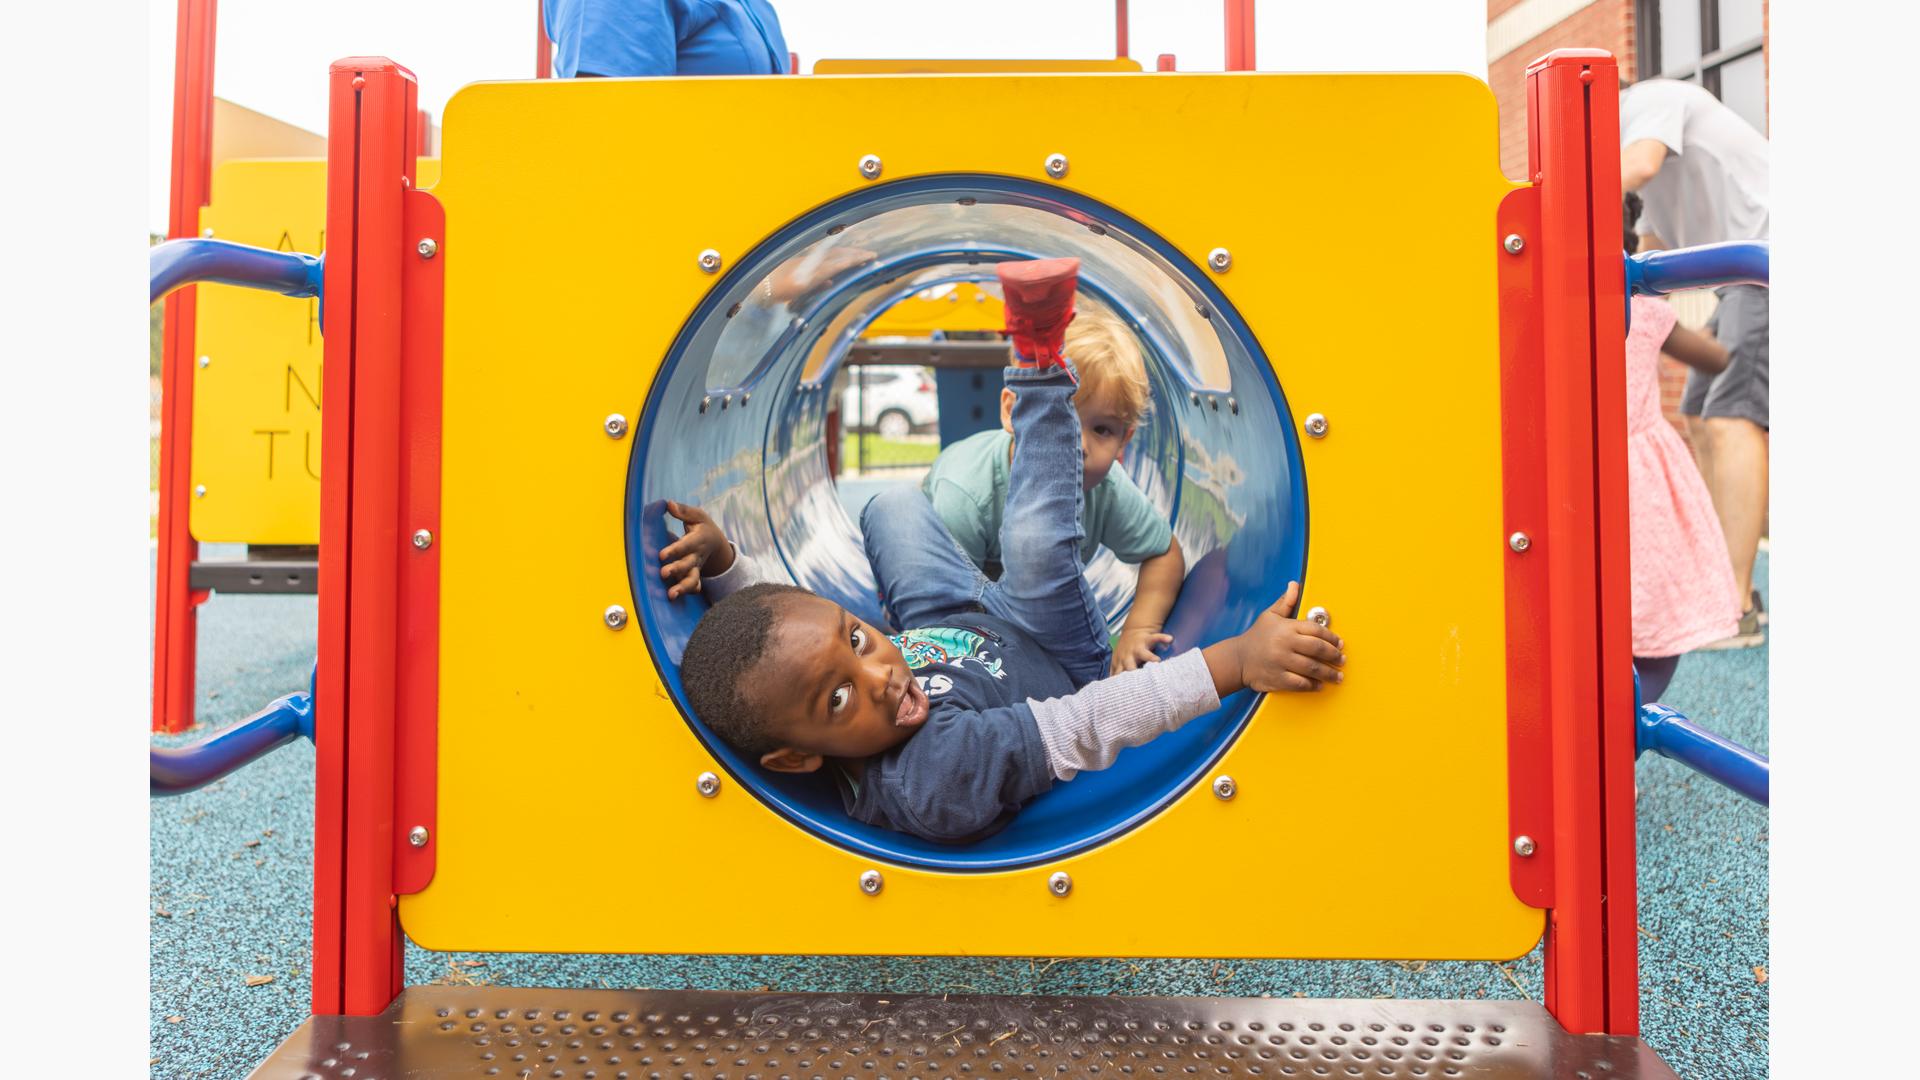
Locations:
(1085, 731)
(741, 574)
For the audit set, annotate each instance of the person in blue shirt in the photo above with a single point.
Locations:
(992, 690)
(619, 38)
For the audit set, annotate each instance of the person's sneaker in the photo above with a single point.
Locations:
(1039, 299)
(1759, 609)
(1746, 637)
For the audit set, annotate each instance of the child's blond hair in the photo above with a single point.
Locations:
(1112, 371)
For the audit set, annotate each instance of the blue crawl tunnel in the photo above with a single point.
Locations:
(736, 422)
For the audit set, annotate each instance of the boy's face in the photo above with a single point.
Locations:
(832, 687)
(1104, 432)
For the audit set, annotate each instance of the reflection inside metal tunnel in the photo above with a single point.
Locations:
(736, 422)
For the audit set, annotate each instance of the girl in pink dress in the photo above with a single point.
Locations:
(1684, 594)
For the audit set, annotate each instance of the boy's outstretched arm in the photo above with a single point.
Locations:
(1153, 597)
(1086, 730)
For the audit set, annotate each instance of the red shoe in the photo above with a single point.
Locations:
(1039, 296)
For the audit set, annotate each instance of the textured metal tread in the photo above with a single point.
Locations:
(436, 1032)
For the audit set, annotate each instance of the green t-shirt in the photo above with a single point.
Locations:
(968, 488)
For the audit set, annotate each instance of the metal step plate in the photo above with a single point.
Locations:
(435, 1032)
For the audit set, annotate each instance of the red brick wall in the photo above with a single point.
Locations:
(1603, 24)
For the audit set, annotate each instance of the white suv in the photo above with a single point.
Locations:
(898, 400)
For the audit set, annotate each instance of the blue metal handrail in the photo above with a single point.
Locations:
(1656, 273)
(180, 769)
(1668, 733)
(179, 263)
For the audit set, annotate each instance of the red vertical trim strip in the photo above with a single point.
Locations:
(1120, 47)
(175, 630)
(543, 48)
(1524, 499)
(1575, 162)
(357, 940)
(1240, 50)
(416, 747)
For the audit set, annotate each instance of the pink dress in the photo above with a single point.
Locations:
(1683, 588)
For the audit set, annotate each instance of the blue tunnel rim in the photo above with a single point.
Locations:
(860, 205)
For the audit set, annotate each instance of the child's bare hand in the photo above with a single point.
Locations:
(1136, 647)
(702, 548)
(1279, 652)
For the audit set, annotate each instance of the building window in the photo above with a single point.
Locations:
(1715, 43)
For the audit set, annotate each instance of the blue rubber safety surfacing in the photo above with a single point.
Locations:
(232, 910)
(735, 422)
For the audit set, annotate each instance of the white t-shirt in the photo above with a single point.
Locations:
(1713, 185)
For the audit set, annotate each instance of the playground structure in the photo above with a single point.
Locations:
(1466, 792)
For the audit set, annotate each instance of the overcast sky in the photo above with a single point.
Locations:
(272, 55)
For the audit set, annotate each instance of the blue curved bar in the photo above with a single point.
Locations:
(1656, 273)
(180, 769)
(178, 263)
(1672, 735)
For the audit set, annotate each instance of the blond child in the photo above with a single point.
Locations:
(968, 483)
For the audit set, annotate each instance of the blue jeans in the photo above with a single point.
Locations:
(925, 579)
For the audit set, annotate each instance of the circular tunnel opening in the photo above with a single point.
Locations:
(737, 422)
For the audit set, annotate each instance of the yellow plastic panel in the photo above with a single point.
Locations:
(957, 67)
(960, 306)
(256, 379)
(1371, 819)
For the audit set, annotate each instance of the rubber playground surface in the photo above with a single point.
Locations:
(232, 882)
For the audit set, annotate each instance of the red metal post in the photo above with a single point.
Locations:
(174, 624)
(1239, 35)
(1573, 150)
(1120, 29)
(543, 48)
(357, 940)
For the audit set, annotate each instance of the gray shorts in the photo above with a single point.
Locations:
(1740, 323)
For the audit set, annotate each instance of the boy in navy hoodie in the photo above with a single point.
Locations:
(989, 693)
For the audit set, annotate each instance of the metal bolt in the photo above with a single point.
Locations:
(1193, 396)
(1523, 846)
(1213, 402)
(726, 401)
(205, 360)
(1519, 541)
(615, 425)
(207, 232)
(704, 402)
(1223, 787)
(1220, 259)
(1234, 405)
(1513, 243)
(422, 539)
(1317, 425)
(616, 616)
(746, 397)
(199, 491)
(707, 784)
(1059, 884)
(870, 168)
(417, 836)
(710, 261)
(428, 249)
(1319, 615)
(1056, 165)
(871, 883)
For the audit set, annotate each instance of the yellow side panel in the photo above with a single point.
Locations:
(957, 67)
(962, 306)
(1371, 819)
(256, 379)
